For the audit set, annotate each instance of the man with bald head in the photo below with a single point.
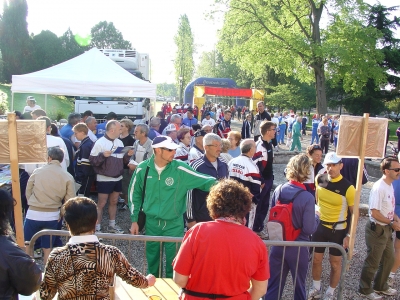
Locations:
(243, 169)
(108, 164)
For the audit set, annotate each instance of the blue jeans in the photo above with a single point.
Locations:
(314, 135)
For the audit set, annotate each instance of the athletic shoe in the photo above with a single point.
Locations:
(390, 281)
(115, 229)
(373, 296)
(313, 293)
(120, 200)
(328, 296)
(388, 292)
(38, 253)
(263, 235)
(123, 207)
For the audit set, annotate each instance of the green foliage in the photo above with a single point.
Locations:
(208, 65)
(70, 46)
(15, 43)
(57, 114)
(286, 36)
(47, 50)
(393, 106)
(184, 63)
(167, 90)
(106, 36)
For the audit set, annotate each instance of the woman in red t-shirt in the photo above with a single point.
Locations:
(211, 263)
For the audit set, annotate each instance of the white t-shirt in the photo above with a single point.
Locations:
(30, 109)
(210, 122)
(381, 198)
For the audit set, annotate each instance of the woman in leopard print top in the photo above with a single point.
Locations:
(85, 268)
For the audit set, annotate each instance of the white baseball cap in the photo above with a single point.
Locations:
(331, 158)
(162, 141)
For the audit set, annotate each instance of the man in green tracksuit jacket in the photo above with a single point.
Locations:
(296, 135)
(167, 182)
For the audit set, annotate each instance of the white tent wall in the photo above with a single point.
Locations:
(90, 74)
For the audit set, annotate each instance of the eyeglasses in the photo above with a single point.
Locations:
(169, 150)
(274, 129)
(397, 170)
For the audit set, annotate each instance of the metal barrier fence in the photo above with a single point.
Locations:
(162, 239)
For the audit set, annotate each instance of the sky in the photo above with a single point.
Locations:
(150, 25)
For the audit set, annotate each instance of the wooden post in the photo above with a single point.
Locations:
(16, 191)
(360, 172)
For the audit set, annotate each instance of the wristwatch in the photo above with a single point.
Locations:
(391, 223)
(348, 235)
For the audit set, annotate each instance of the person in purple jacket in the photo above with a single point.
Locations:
(295, 259)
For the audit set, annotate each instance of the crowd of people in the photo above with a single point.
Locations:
(194, 177)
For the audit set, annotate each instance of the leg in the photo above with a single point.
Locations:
(112, 207)
(297, 259)
(101, 202)
(262, 206)
(153, 248)
(172, 228)
(277, 281)
(396, 264)
(376, 244)
(336, 267)
(385, 264)
(317, 266)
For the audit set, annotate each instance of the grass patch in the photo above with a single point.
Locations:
(58, 107)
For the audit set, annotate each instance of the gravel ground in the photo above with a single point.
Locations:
(135, 250)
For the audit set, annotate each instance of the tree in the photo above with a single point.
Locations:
(15, 43)
(106, 36)
(207, 66)
(184, 64)
(167, 90)
(47, 50)
(70, 47)
(287, 36)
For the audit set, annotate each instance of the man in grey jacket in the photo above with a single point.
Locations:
(48, 187)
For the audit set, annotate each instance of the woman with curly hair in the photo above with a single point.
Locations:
(304, 217)
(211, 263)
(19, 274)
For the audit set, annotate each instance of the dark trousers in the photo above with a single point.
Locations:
(263, 206)
(86, 185)
(256, 137)
(324, 144)
(288, 260)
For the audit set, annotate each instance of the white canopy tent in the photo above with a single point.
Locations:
(90, 74)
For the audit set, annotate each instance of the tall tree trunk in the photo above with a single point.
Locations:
(320, 89)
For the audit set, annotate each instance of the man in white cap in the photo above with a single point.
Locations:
(31, 104)
(166, 182)
(335, 197)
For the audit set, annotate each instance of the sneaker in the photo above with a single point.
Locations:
(120, 200)
(263, 235)
(373, 296)
(328, 296)
(313, 293)
(390, 280)
(98, 231)
(388, 292)
(38, 253)
(115, 229)
(123, 207)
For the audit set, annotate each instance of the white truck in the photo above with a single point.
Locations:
(136, 109)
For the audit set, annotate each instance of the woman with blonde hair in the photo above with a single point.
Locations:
(226, 144)
(304, 217)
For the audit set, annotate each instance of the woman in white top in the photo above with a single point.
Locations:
(226, 145)
(184, 138)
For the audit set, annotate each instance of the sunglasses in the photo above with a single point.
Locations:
(316, 147)
(169, 150)
(397, 170)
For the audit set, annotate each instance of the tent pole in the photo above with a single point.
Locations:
(45, 103)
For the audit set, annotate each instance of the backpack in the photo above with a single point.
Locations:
(280, 223)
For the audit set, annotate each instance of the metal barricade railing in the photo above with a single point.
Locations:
(162, 239)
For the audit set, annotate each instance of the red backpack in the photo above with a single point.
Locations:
(280, 223)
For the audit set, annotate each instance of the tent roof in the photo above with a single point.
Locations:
(90, 74)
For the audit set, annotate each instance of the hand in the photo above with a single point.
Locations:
(134, 228)
(130, 152)
(132, 167)
(318, 213)
(151, 280)
(396, 225)
(107, 153)
(191, 224)
(262, 186)
(346, 242)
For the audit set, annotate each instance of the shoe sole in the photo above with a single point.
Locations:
(386, 294)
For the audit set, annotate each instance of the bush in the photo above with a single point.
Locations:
(57, 115)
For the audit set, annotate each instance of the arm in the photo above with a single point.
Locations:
(135, 191)
(70, 191)
(189, 209)
(97, 157)
(346, 239)
(310, 218)
(258, 289)
(180, 280)
(29, 186)
(48, 288)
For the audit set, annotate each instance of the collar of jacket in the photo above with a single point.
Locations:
(55, 162)
(108, 138)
